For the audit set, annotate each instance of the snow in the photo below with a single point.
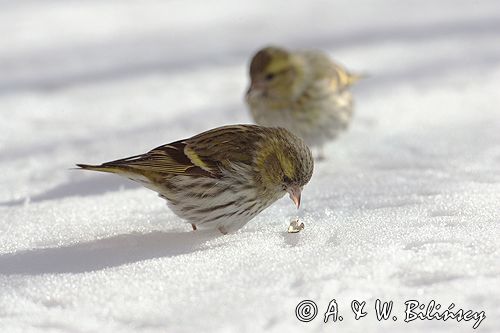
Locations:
(405, 207)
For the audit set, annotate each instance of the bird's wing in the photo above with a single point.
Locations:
(324, 68)
(204, 154)
(172, 159)
(233, 143)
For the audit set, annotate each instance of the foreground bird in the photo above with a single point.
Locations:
(304, 91)
(223, 177)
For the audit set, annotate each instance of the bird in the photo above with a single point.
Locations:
(222, 178)
(303, 91)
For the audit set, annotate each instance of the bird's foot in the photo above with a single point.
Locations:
(319, 155)
(222, 230)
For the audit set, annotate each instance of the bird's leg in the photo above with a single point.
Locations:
(320, 154)
(222, 230)
(194, 226)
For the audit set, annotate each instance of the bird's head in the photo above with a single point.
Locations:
(274, 73)
(285, 165)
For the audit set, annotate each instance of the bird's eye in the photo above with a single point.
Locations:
(269, 77)
(286, 179)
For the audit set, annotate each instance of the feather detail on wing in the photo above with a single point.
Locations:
(205, 154)
(176, 158)
(172, 159)
(324, 68)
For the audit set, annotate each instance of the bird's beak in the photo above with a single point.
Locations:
(253, 85)
(250, 92)
(255, 88)
(253, 93)
(294, 192)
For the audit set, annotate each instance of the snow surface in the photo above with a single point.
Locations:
(405, 207)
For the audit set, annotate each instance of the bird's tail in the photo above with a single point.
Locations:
(346, 79)
(353, 78)
(124, 171)
(103, 168)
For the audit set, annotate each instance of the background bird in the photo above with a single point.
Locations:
(223, 177)
(304, 91)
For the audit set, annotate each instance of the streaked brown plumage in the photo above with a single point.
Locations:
(223, 177)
